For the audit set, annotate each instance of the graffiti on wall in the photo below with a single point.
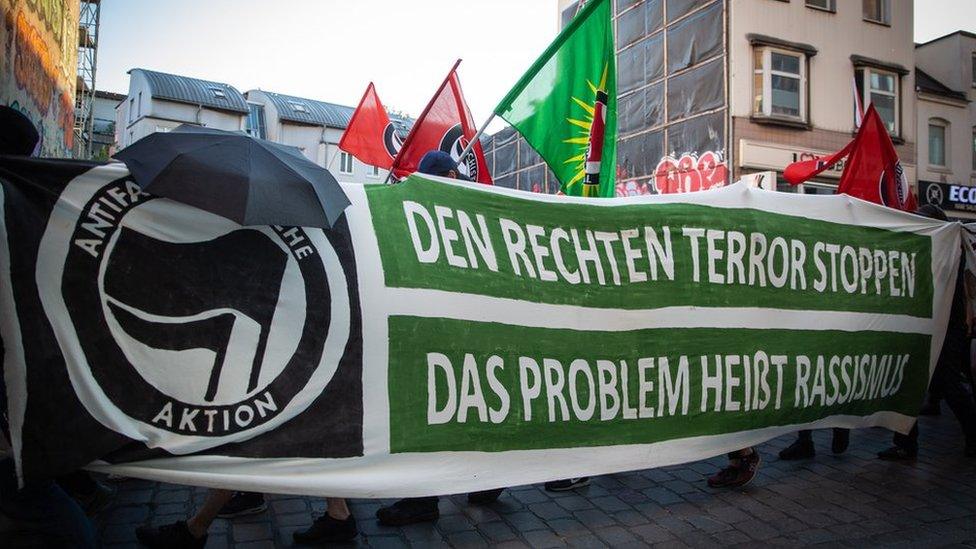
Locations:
(38, 67)
(691, 172)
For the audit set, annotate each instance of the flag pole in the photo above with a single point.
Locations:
(475, 139)
(416, 124)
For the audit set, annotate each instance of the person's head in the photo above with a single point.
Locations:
(439, 163)
(932, 211)
(17, 134)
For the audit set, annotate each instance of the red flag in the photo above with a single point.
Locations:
(872, 171)
(370, 136)
(447, 125)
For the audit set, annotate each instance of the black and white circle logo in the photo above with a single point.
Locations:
(893, 180)
(392, 140)
(182, 328)
(934, 195)
(454, 144)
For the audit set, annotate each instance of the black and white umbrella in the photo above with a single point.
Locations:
(247, 180)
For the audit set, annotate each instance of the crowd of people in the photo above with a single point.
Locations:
(64, 505)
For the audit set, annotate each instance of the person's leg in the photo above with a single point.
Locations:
(801, 449)
(191, 532)
(337, 524)
(56, 516)
(840, 441)
(409, 511)
(200, 522)
(960, 401)
(905, 448)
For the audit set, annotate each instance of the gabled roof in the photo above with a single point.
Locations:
(183, 89)
(302, 110)
(959, 32)
(102, 94)
(926, 83)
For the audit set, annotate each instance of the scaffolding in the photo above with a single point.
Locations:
(87, 62)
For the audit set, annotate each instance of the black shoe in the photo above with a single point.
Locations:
(169, 536)
(930, 409)
(970, 450)
(485, 497)
(801, 449)
(409, 511)
(897, 453)
(243, 503)
(328, 529)
(567, 484)
(841, 440)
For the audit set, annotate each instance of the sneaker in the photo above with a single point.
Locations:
(328, 529)
(243, 503)
(897, 453)
(841, 440)
(800, 449)
(485, 497)
(168, 536)
(735, 476)
(409, 511)
(567, 484)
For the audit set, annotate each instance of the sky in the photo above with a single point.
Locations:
(331, 49)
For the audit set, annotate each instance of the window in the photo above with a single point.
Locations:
(827, 5)
(218, 93)
(779, 83)
(298, 107)
(880, 88)
(937, 142)
(255, 120)
(132, 109)
(877, 11)
(974, 70)
(139, 105)
(345, 162)
(374, 171)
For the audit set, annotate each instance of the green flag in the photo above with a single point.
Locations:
(565, 106)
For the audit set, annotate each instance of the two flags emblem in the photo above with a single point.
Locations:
(446, 125)
(565, 107)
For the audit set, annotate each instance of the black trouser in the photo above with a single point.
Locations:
(947, 382)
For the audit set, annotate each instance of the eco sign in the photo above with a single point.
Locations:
(443, 330)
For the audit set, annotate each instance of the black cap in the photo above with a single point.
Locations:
(17, 134)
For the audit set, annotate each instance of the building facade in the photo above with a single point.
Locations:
(38, 68)
(314, 127)
(946, 91)
(794, 65)
(713, 90)
(103, 123)
(159, 102)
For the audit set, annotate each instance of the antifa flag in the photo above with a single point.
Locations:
(872, 171)
(446, 125)
(422, 345)
(259, 326)
(370, 136)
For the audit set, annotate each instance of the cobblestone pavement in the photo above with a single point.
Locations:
(853, 499)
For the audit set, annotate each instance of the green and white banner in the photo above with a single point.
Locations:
(449, 337)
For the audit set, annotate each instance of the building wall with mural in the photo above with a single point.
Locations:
(38, 67)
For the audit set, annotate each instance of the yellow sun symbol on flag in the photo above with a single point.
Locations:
(582, 129)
